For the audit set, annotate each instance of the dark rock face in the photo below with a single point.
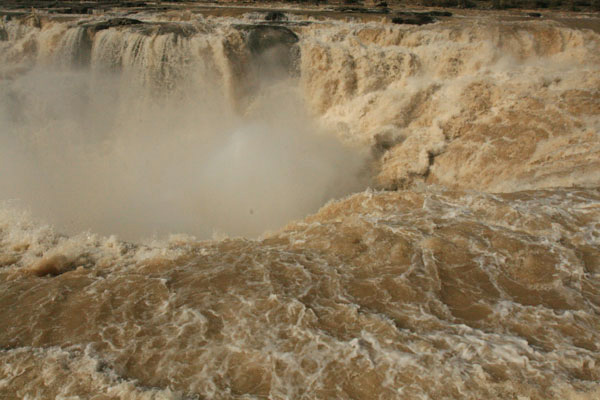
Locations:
(3, 34)
(113, 22)
(450, 3)
(264, 37)
(273, 48)
(361, 10)
(275, 16)
(79, 9)
(413, 19)
(419, 18)
(438, 13)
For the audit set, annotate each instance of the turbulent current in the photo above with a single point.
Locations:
(202, 207)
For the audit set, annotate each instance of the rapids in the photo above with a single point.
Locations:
(215, 207)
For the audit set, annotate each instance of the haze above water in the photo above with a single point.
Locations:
(92, 151)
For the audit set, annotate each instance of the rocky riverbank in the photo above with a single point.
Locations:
(315, 7)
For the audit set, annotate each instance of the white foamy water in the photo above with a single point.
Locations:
(476, 277)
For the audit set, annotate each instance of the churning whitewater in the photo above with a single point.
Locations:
(194, 206)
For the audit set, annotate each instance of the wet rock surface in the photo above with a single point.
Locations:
(111, 23)
(275, 16)
(419, 18)
(264, 37)
(273, 46)
(412, 19)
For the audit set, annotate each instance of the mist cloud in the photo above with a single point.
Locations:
(89, 150)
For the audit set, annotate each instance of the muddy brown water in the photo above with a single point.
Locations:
(348, 209)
